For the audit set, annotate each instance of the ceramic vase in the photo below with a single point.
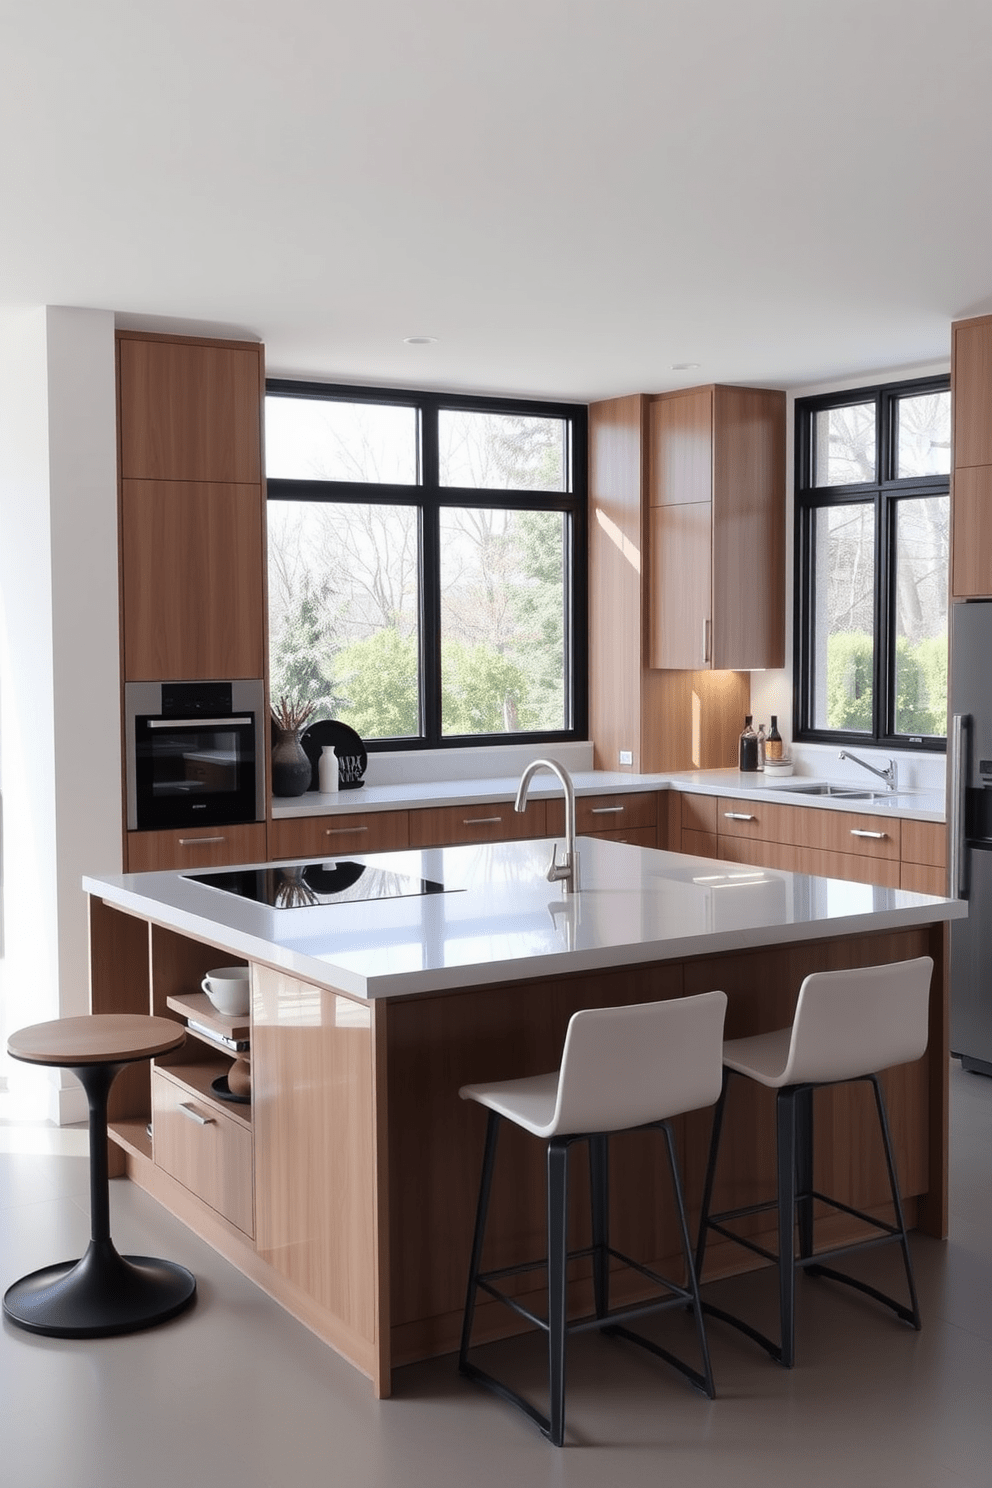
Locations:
(291, 770)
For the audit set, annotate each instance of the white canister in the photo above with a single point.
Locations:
(327, 771)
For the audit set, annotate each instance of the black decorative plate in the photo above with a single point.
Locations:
(222, 1091)
(351, 752)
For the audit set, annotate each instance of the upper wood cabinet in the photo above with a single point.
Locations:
(971, 485)
(190, 410)
(716, 499)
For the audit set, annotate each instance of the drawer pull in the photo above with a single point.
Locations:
(338, 831)
(878, 836)
(738, 816)
(193, 1115)
(479, 821)
(199, 841)
(604, 810)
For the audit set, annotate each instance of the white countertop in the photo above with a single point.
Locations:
(501, 920)
(918, 805)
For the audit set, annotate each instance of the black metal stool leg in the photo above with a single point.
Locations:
(785, 1111)
(104, 1293)
(557, 1284)
(804, 1168)
(710, 1176)
(890, 1163)
(692, 1280)
(478, 1239)
(599, 1186)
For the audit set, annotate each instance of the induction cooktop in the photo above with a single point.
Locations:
(305, 885)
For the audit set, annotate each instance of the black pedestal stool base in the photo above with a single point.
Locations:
(99, 1296)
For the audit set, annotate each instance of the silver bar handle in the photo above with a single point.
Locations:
(706, 640)
(176, 723)
(480, 821)
(196, 841)
(192, 1114)
(959, 742)
(879, 836)
(738, 816)
(605, 810)
(339, 831)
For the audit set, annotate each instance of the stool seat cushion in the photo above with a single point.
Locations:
(529, 1102)
(763, 1057)
(99, 1038)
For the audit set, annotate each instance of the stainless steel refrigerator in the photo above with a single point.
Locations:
(969, 819)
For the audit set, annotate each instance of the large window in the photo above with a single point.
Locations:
(872, 542)
(427, 563)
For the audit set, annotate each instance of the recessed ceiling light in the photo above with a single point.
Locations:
(685, 366)
(419, 340)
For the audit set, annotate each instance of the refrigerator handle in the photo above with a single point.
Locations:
(958, 779)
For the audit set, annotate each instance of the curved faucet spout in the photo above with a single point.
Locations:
(890, 774)
(566, 872)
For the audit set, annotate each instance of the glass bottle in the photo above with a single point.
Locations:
(748, 746)
(762, 741)
(773, 747)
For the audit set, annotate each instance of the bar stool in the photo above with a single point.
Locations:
(848, 1026)
(104, 1293)
(621, 1068)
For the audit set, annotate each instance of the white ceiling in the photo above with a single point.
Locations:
(570, 195)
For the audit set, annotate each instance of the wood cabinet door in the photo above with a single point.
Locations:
(971, 552)
(193, 580)
(924, 842)
(971, 381)
(331, 835)
(207, 1151)
(447, 826)
(197, 847)
(190, 411)
(680, 593)
(680, 452)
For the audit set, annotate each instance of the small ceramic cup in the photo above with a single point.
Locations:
(228, 990)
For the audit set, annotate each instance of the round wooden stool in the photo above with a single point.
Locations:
(104, 1293)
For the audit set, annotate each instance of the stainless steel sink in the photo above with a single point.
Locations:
(842, 792)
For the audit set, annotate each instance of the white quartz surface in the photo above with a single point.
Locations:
(501, 920)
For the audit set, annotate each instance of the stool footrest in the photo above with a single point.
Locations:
(906, 1313)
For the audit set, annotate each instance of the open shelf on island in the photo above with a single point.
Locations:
(131, 1133)
(198, 1079)
(197, 1005)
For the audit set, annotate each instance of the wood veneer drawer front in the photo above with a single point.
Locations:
(699, 813)
(594, 814)
(918, 878)
(196, 847)
(372, 831)
(699, 844)
(207, 1152)
(752, 819)
(924, 842)
(786, 856)
(847, 832)
(636, 836)
(447, 826)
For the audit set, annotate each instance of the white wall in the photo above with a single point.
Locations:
(771, 691)
(60, 765)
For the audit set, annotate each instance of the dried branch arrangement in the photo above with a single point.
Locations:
(291, 716)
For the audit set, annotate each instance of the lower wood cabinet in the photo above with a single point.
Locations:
(196, 847)
(449, 826)
(332, 835)
(202, 1146)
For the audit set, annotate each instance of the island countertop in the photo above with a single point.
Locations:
(500, 920)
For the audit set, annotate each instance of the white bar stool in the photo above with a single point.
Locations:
(621, 1068)
(848, 1025)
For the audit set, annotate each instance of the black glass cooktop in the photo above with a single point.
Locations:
(302, 885)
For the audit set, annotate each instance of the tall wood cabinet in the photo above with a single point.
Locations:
(971, 489)
(716, 484)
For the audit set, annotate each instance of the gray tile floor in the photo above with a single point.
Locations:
(237, 1393)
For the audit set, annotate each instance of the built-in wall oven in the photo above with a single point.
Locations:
(194, 753)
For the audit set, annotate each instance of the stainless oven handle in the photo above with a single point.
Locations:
(174, 723)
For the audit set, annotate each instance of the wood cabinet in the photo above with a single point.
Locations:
(716, 494)
(448, 826)
(206, 1148)
(196, 847)
(630, 816)
(971, 484)
(331, 835)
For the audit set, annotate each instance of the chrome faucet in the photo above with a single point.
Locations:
(566, 872)
(890, 774)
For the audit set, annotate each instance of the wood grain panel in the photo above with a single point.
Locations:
(616, 577)
(608, 813)
(193, 580)
(680, 603)
(195, 847)
(919, 879)
(680, 459)
(315, 1145)
(372, 831)
(924, 842)
(190, 410)
(699, 813)
(815, 861)
(971, 558)
(483, 822)
(748, 528)
(971, 384)
(120, 982)
(212, 1156)
(830, 831)
(692, 720)
(179, 965)
(699, 844)
(635, 836)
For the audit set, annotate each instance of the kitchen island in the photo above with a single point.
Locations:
(347, 1187)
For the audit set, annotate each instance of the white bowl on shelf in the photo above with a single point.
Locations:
(229, 989)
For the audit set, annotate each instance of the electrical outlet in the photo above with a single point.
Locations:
(626, 756)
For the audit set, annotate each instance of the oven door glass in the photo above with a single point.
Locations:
(194, 772)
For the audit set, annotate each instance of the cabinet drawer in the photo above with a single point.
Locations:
(924, 842)
(920, 879)
(371, 831)
(208, 1152)
(699, 844)
(798, 826)
(636, 836)
(699, 813)
(195, 847)
(854, 867)
(611, 813)
(449, 825)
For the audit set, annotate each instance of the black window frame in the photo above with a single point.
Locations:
(884, 494)
(430, 497)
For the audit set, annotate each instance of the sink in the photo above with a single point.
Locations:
(842, 792)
